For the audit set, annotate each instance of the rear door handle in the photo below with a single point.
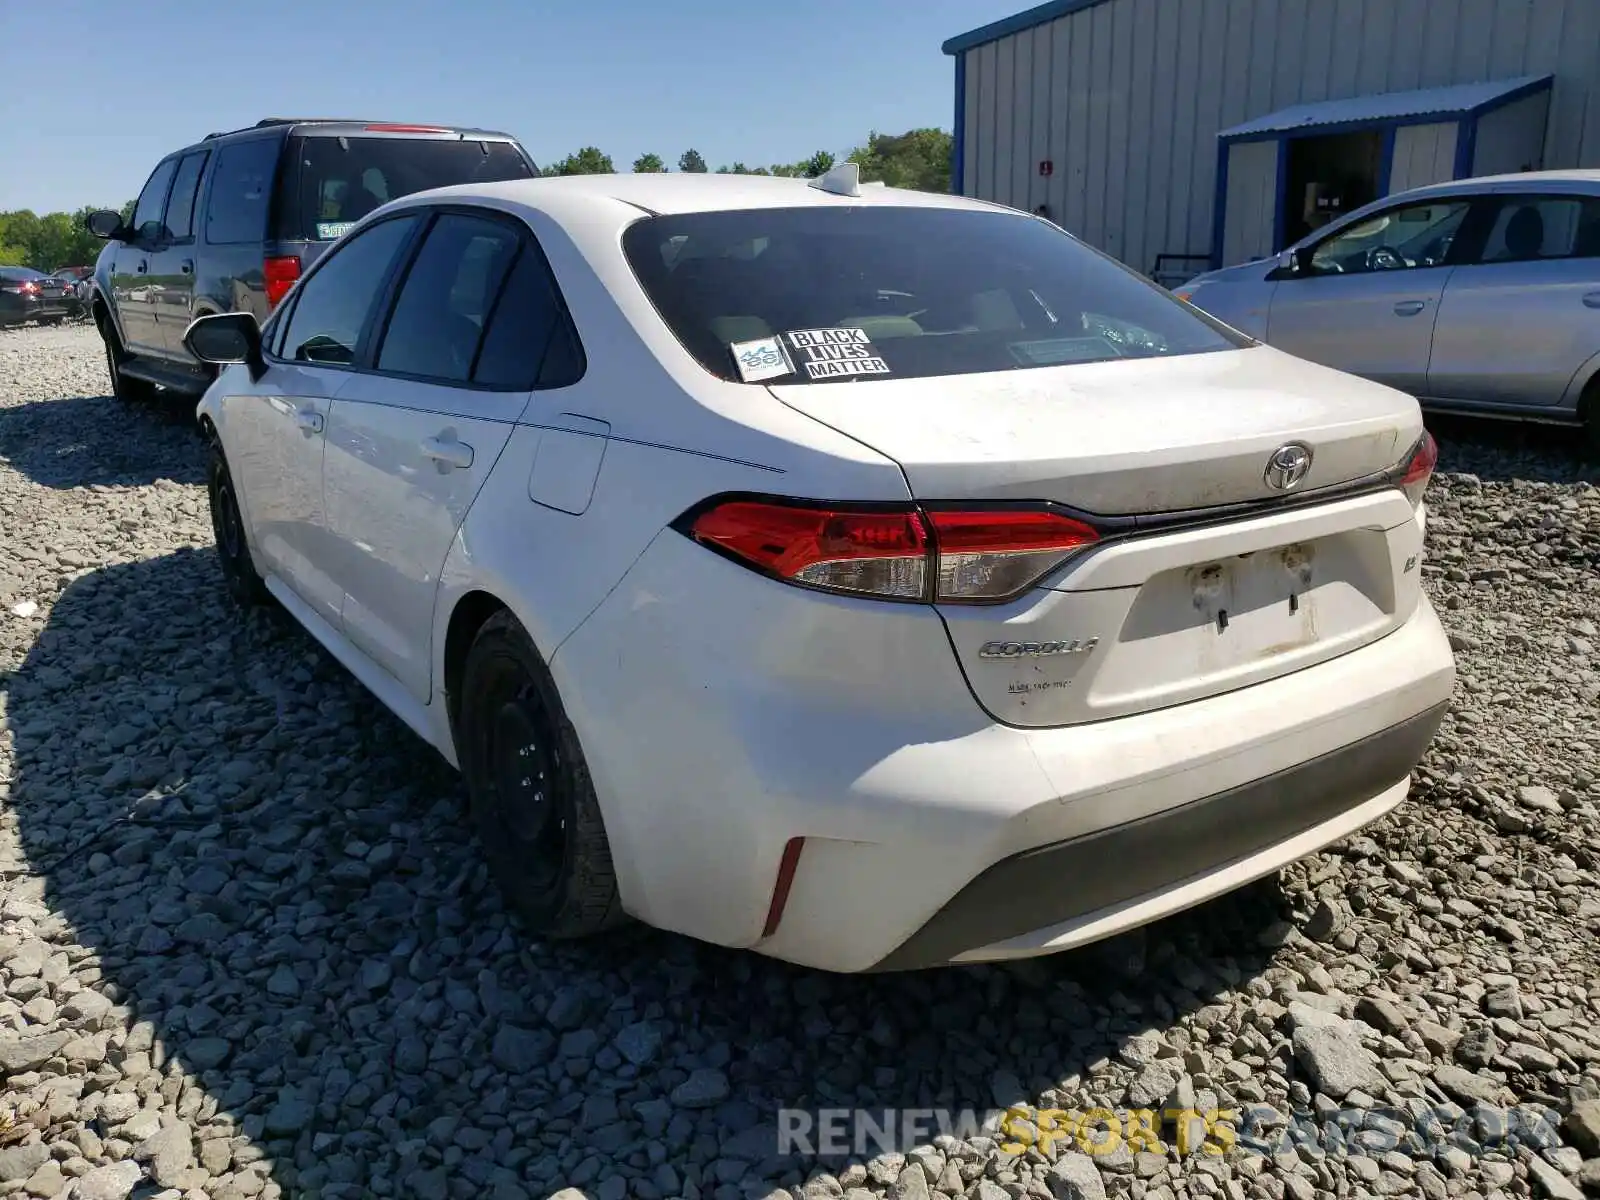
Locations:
(448, 452)
(1592, 300)
(309, 421)
(141, 268)
(1410, 308)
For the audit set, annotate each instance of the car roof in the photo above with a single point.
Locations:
(351, 126)
(693, 192)
(1570, 180)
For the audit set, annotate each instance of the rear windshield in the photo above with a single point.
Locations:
(833, 294)
(339, 180)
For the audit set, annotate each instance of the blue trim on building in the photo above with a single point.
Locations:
(1219, 205)
(1532, 88)
(1280, 213)
(1033, 17)
(1386, 161)
(958, 134)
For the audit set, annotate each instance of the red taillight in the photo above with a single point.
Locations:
(780, 889)
(991, 555)
(280, 274)
(1418, 468)
(869, 551)
(941, 556)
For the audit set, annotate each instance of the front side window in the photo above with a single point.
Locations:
(444, 304)
(333, 303)
(826, 293)
(1528, 228)
(339, 180)
(147, 212)
(180, 207)
(241, 187)
(1415, 235)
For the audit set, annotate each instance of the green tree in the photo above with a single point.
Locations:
(648, 164)
(918, 159)
(691, 160)
(819, 163)
(588, 161)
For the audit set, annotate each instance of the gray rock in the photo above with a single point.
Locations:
(1336, 1060)
(19, 1162)
(1466, 1086)
(113, 1182)
(1550, 1182)
(1075, 1177)
(24, 1052)
(519, 1050)
(704, 1088)
(639, 1043)
(1582, 1127)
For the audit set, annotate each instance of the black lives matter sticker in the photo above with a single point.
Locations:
(832, 353)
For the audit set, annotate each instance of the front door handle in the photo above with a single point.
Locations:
(188, 266)
(141, 268)
(1592, 300)
(309, 420)
(1410, 308)
(448, 452)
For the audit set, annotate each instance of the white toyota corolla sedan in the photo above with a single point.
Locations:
(868, 578)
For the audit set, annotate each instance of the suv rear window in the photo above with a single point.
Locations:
(335, 181)
(825, 294)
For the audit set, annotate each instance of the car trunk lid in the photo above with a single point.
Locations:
(1200, 584)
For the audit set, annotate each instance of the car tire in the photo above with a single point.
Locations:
(239, 574)
(1589, 414)
(125, 389)
(532, 801)
(51, 320)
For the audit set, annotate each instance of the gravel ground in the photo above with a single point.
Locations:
(247, 948)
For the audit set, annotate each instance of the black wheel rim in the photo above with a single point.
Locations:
(524, 768)
(230, 530)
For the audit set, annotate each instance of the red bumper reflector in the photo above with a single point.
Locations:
(780, 890)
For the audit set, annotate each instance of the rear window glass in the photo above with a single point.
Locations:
(339, 180)
(834, 294)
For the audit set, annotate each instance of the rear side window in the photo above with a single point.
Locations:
(835, 293)
(333, 303)
(241, 189)
(531, 341)
(1534, 227)
(444, 304)
(180, 207)
(339, 180)
(147, 212)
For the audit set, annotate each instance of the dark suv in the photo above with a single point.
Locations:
(231, 222)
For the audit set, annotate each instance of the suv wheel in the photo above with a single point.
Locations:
(239, 572)
(129, 391)
(532, 801)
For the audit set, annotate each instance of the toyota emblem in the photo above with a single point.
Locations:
(1288, 466)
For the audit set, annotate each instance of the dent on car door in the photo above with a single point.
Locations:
(275, 433)
(1519, 320)
(411, 443)
(1368, 301)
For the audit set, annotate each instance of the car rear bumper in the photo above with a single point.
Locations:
(717, 731)
(1068, 893)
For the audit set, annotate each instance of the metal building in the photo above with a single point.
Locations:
(1176, 134)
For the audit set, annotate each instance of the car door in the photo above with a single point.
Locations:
(131, 288)
(1368, 296)
(1517, 322)
(411, 442)
(274, 437)
(172, 260)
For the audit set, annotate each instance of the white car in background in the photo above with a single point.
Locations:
(869, 578)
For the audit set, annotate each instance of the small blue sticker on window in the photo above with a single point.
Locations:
(327, 230)
(761, 359)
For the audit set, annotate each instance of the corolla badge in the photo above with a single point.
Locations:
(1288, 466)
(1036, 649)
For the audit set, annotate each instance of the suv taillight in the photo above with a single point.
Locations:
(892, 552)
(26, 287)
(280, 272)
(1418, 468)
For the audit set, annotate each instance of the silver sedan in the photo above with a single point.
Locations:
(1479, 296)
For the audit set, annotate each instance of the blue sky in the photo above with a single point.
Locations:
(739, 80)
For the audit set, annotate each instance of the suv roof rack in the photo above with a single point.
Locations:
(269, 122)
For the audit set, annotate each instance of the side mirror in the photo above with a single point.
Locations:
(226, 338)
(1300, 260)
(104, 224)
